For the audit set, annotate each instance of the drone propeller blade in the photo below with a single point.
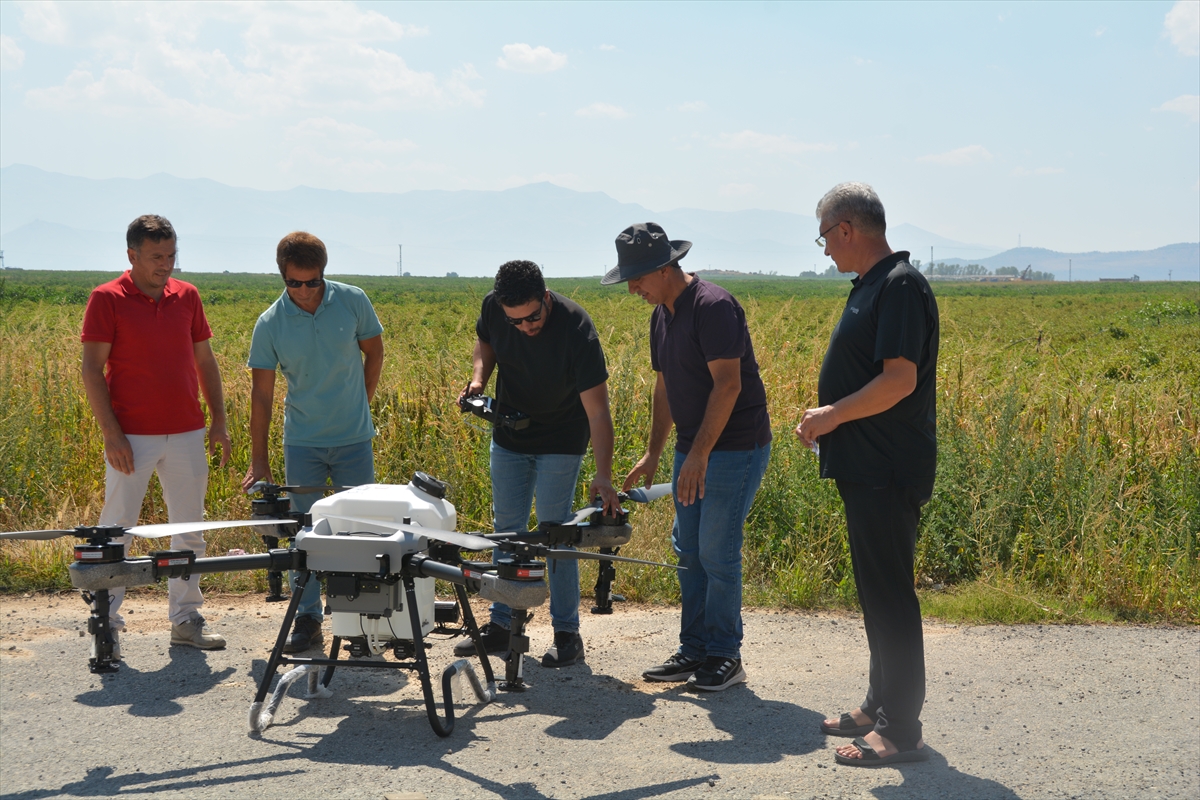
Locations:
(466, 541)
(582, 555)
(175, 528)
(647, 495)
(36, 535)
(581, 515)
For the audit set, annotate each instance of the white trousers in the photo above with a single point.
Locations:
(182, 467)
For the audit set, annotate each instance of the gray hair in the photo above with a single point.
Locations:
(856, 202)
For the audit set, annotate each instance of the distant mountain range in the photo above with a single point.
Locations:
(54, 221)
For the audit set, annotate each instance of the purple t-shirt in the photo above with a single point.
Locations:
(708, 324)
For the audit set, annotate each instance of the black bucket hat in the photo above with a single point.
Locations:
(641, 249)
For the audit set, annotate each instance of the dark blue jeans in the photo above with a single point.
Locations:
(349, 465)
(707, 537)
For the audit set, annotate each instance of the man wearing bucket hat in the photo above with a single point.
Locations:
(707, 385)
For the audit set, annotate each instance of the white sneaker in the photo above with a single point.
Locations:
(196, 634)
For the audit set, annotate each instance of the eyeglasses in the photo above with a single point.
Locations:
(820, 240)
(534, 317)
(295, 284)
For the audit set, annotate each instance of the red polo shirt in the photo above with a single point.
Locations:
(151, 372)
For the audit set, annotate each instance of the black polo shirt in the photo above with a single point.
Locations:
(543, 375)
(891, 313)
(708, 324)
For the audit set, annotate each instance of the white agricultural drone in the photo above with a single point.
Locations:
(379, 548)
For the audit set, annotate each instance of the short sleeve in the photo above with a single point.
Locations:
(721, 330)
(903, 321)
(99, 320)
(590, 370)
(369, 325)
(262, 349)
(201, 332)
(481, 325)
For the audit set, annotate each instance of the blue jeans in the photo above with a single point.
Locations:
(348, 465)
(516, 479)
(707, 537)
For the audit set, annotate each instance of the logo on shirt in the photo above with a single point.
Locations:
(854, 309)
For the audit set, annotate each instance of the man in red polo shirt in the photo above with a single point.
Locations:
(150, 331)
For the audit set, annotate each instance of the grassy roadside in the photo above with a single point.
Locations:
(1069, 474)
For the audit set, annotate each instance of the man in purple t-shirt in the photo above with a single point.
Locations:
(707, 385)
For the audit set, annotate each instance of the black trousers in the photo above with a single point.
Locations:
(882, 523)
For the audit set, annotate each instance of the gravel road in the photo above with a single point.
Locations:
(1029, 712)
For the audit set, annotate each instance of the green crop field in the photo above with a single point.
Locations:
(1069, 473)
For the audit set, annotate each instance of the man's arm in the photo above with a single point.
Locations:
(262, 398)
(896, 382)
(117, 451)
(660, 427)
(727, 385)
(595, 403)
(483, 359)
(372, 363)
(210, 386)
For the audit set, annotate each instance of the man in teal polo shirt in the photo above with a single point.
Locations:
(328, 342)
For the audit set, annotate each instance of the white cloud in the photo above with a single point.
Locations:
(323, 144)
(1021, 172)
(292, 56)
(11, 54)
(769, 144)
(736, 189)
(1186, 104)
(521, 57)
(608, 47)
(963, 156)
(1182, 27)
(1099, 31)
(327, 130)
(694, 105)
(602, 110)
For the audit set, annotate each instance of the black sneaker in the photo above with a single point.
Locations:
(306, 633)
(675, 669)
(494, 638)
(717, 673)
(567, 650)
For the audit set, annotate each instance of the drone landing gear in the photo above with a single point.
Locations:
(100, 627)
(262, 712)
(606, 574)
(518, 646)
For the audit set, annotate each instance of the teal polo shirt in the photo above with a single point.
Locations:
(326, 403)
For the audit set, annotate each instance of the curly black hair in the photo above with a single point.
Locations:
(518, 282)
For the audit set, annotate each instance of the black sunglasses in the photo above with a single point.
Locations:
(534, 317)
(295, 284)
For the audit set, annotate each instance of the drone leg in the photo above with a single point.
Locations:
(100, 627)
(473, 631)
(604, 578)
(518, 646)
(414, 615)
(334, 649)
(277, 653)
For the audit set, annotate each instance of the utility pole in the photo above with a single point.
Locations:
(400, 263)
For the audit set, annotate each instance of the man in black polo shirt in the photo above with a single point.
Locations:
(551, 367)
(877, 430)
(707, 384)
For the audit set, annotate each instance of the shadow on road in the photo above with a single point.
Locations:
(936, 778)
(154, 694)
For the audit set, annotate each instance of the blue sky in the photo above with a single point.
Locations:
(1075, 126)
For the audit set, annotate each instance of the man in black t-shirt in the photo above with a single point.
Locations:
(877, 433)
(551, 367)
(707, 385)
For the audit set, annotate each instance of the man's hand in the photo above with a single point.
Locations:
(218, 436)
(642, 473)
(257, 472)
(470, 390)
(118, 452)
(604, 490)
(817, 422)
(690, 486)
